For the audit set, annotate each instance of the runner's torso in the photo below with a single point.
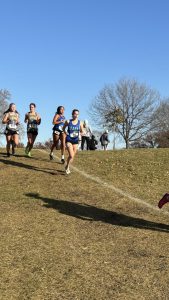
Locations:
(32, 124)
(73, 132)
(12, 124)
(59, 127)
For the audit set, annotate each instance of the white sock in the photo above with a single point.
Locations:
(63, 157)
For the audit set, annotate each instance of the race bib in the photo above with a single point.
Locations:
(60, 127)
(12, 126)
(74, 134)
(32, 126)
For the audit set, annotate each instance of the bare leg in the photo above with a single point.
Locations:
(8, 143)
(29, 135)
(55, 141)
(72, 149)
(15, 142)
(31, 140)
(62, 139)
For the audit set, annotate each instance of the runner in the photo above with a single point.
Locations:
(11, 119)
(58, 133)
(33, 119)
(74, 128)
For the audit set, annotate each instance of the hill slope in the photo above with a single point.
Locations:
(71, 237)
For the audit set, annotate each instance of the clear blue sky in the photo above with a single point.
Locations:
(63, 52)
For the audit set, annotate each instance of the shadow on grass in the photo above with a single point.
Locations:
(91, 213)
(29, 167)
(3, 154)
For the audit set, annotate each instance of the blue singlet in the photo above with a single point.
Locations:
(73, 132)
(59, 127)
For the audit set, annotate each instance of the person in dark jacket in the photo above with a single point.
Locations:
(93, 143)
(104, 139)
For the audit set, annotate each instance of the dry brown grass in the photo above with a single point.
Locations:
(66, 237)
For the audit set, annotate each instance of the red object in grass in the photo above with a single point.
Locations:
(163, 201)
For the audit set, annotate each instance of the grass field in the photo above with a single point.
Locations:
(74, 238)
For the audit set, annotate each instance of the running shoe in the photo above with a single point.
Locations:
(62, 160)
(26, 150)
(51, 156)
(67, 170)
(29, 154)
(8, 154)
(163, 201)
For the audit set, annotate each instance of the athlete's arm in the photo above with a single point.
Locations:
(55, 120)
(65, 125)
(5, 119)
(81, 131)
(26, 118)
(38, 119)
(17, 122)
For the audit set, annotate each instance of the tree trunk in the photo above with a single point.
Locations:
(127, 144)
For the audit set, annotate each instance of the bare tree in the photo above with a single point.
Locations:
(126, 108)
(161, 116)
(48, 144)
(21, 132)
(39, 145)
(159, 136)
(4, 98)
(162, 139)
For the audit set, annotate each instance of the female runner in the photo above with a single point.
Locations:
(58, 134)
(74, 129)
(11, 119)
(33, 119)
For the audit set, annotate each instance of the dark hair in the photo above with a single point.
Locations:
(73, 111)
(58, 109)
(9, 109)
(32, 104)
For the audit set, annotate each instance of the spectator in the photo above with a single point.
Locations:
(93, 143)
(85, 135)
(104, 139)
